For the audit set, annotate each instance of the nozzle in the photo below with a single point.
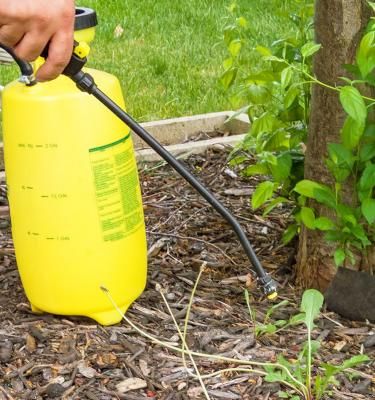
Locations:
(269, 287)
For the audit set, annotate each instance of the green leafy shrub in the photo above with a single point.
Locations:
(277, 99)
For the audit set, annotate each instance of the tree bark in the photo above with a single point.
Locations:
(339, 26)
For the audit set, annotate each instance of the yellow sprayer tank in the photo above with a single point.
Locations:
(75, 200)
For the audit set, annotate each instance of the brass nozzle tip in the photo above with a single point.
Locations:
(272, 296)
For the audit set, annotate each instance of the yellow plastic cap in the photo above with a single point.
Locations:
(272, 296)
(82, 50)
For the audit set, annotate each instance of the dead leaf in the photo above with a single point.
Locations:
(144, 367)
(130, 384)
(6, 351)
(239, 192)
(157, 246)
(106, 359)
(85, 370)
(30, 343)
(118, 32)
(195, 392)
(340, 345)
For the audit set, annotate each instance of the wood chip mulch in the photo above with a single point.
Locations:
(54, 357)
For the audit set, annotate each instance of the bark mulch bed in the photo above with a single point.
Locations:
(46, 356)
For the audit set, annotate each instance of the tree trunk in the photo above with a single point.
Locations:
(339, 26)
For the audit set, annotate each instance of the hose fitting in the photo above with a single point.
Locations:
(269, 286)
(27, 72)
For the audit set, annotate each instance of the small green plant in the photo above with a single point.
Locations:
(267, 327)
(296, 375)
(301, 369)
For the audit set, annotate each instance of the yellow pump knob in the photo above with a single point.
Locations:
(82, 50)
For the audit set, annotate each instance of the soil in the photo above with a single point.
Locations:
(54, 357)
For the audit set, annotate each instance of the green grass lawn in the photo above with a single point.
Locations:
(169, 57)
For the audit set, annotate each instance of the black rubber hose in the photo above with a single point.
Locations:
(25, 67)
(86, 83)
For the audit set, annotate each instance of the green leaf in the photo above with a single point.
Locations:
(354, 361)
(367, 152)
(367, 180)
(265, 123)
(277, 141)
(272, 309)
(230, 32)
(281, 171)
(297, 319)
(334, 236)
(286, 77)
(340, 172)
(352, 132)
(274, 58)
(360, 234)
(368, 210)
(263, 192)
(228, 77)
(308, 217)
(324, 224)
(309, 49)
(323, 194)
(242, 22)
(258, 94)
(262, 329)
(289, 233)
(274, 203)
(312, 301)
(372, 5)
(257, 169)
(260, 77)
(235, 47)
(353, 103)
(292, 93)
(340, 155)
(347, 214)
(228, 63)
(366, 55)
(275, 376)
(307, 188)
(264, 51)
(339, 257)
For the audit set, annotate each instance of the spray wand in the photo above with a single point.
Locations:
(85, 82)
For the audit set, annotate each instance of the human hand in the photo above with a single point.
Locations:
(28, 26)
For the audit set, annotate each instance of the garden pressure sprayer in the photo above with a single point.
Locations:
(74, 193)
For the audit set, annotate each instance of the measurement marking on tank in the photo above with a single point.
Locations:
(59, 195)
(23, 187)
(31, 146)
(44, 196)
(59, 238)
(33, 233)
